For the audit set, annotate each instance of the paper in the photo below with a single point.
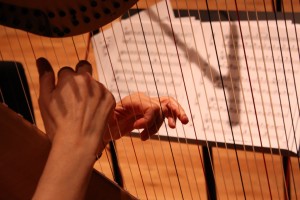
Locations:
(211, 81)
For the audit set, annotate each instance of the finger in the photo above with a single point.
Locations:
(175, 110)
(147, 120)
(148, 132)
(84, 67)
(172, 121)
(46, 77)
(65, 72)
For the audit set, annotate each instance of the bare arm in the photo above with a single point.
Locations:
(69, 109)
(76, 112)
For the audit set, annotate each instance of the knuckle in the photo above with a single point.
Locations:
(111, 98)
(107, 95)
(85, 76)
(65, 71)
(40, 101)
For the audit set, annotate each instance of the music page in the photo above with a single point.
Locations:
(237, 81)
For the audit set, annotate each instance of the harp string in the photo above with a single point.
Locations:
(289, 160)
(87, 51)
(173, 37)
(133, 72)
(75, 48)
(21, 82)
(88, 45)
(30, 77)
(264, 62)
(243, 95)
(255, 60)
(1, 94)
(270, 98)
(284, 178)
(180, 44)
(292, 66)
(296, 35)
(73, 38)
(290, 166)
(170, 33)
(106, 84)
(147, 128)
(167, 90)
(147, 89)
(226, 101)
(291, 60)
(117, 124)
(147, 7)
(134, 149)
(200, 110)
(176, 95)
(55, 54)
(226, 147)
(77, 55)
(141, 101)
(168, 94)
(285, 79)
(294, 19)
(67, 53)
(78, 58)
(252, 97)
(280, 100)
(33, 51)
(212, 75)
(234, 86)
(261, 96)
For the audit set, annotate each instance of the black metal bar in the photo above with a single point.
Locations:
(209, 175)
(278, 5)
(15, 90)
(115, 164)
(286, 164)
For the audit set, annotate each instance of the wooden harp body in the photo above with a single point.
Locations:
(25, 149)
(232, 64)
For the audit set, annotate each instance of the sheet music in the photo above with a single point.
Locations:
(246, 92)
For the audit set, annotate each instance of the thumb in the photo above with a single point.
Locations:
(46, 77)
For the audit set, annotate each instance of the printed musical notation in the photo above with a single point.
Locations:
(241, 91)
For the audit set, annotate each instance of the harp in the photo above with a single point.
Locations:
(232, 91)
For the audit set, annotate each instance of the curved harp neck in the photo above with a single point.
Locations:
(60, 18)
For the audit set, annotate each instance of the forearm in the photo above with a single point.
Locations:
(66, 174)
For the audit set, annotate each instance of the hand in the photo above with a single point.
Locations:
(139, 111)
(76, 110)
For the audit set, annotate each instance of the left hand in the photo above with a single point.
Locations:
(76, 109)
(138, 111)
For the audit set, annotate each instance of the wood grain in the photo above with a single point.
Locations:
(149, 169)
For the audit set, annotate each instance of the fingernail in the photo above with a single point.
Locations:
(43, 66)
(83, 62)
(174, 122)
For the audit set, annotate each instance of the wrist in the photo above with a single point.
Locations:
(80, 151)
(63, 162)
